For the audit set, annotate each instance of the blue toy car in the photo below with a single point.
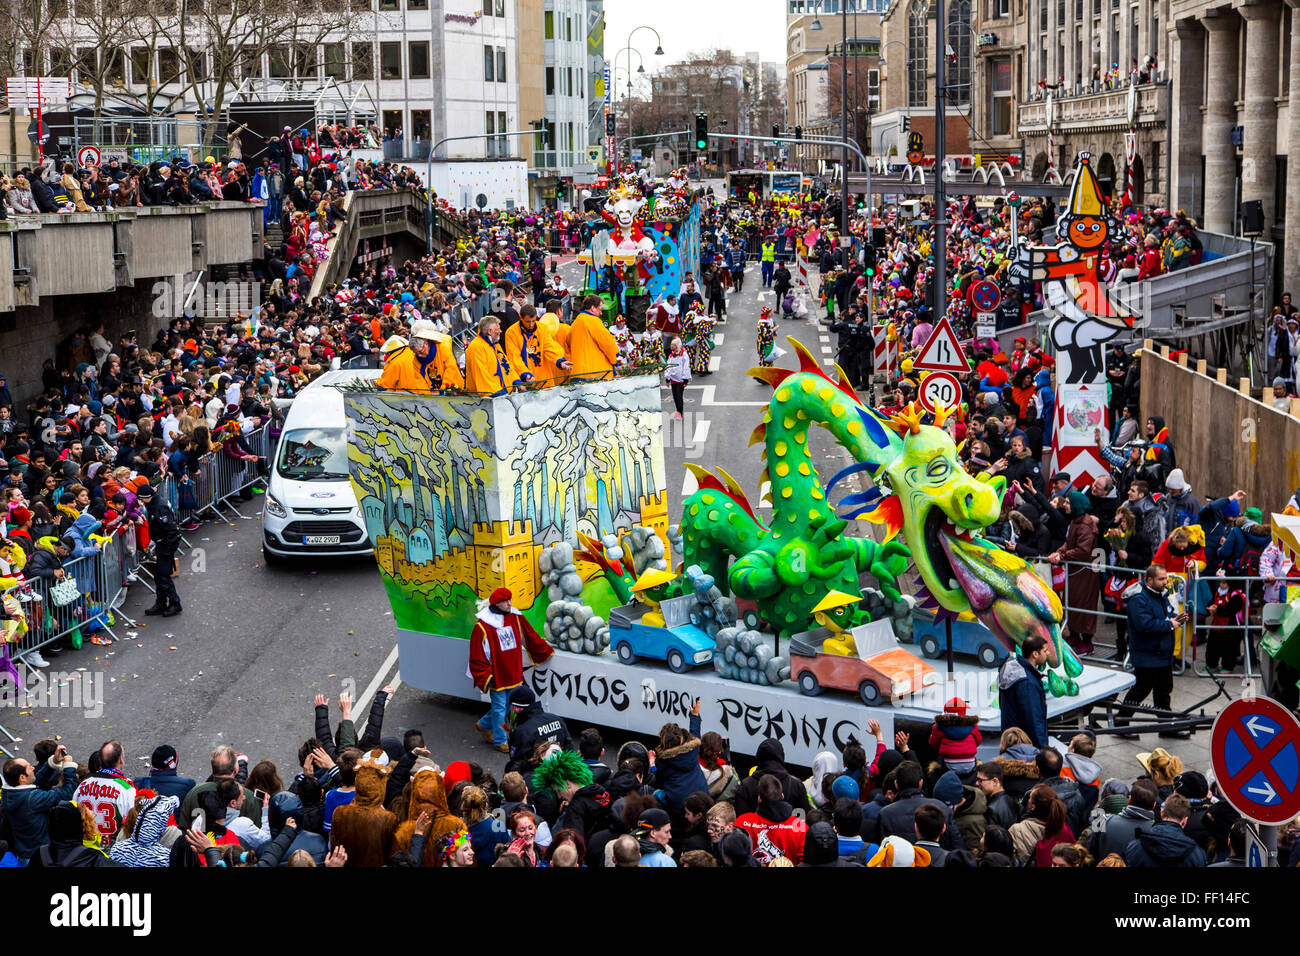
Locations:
(968, 637)
(678, 642)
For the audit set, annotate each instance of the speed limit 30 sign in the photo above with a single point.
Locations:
(939, 390)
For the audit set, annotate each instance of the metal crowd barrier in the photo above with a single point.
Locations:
(102, 580)
(1179, 587)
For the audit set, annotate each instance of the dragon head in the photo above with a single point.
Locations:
(941, 504)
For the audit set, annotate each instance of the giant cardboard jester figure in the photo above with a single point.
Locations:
(1086, 313)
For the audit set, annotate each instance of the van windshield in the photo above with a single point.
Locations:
(309, 453)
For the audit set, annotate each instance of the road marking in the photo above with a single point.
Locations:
(718, 339)
(396, 684)
(829, 361)
(827, 350)
(707, 398)
(689, 485)
(715, 362)
(701, 431)
(362, 704)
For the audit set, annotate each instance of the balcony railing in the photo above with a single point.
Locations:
(1109, 108)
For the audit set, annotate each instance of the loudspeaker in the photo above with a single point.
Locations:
(1252, 216)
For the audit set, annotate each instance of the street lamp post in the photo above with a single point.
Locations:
(659, 51)
(940, 155)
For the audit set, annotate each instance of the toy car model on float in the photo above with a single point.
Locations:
(659, 629)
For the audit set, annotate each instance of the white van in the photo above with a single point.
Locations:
(310, 508)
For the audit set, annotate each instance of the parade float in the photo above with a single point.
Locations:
(785, 626)
(650, 243)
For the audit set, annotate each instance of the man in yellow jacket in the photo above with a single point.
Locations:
(531, 350)
(487, 369)
(592, 348)
(426, 364)
(550, 321)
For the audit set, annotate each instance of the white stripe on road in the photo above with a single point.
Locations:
(715, 363)
(362, 704)
(707, 398)
(689, 485)
(701, 431)
(717, 339)
(396, 684)
(827, 350)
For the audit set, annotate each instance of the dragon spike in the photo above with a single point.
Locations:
(807, 363)
(763, 476)
(771, 374)
(845, 386)
(907, 420)
(961, 445)
(737, 494)
(705, 479)
(941, 414)
(758, 435)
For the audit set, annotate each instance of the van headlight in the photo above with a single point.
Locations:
(703, 656)
(902, 687)
(274, 508)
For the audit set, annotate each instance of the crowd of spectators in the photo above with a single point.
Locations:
(562, 800)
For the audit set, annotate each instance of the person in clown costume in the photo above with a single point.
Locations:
(766, 338)
(496, 660)
(699, 345)
(1072, 283)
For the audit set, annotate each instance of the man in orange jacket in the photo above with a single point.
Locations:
(423, 365)
(592, 348)
(487, 369)
(532, 350)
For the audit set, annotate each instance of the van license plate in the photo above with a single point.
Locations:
(320, 539)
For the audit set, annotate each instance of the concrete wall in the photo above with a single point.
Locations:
(1223, 438)
(31, 335)
(85, 253)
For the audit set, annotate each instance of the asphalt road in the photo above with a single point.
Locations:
(254, 645)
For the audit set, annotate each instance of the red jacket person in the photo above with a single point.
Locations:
(496, 660)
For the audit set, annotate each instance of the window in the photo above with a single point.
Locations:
(304, 60)
(1002, 8)
(1000, 90)
(550, 81)
(501, 65)
(278, 60)
(86, 65)
(959, 35)
(115, 71)
(169, 66)
(568, 81)
(490, 124)
(568, 28)
(142, 60)
(334, 62)
(420, 124)
(548, 24)
(489, 61)
(363, 61)
(501, 8)
(417, 5)
(60, 62)
(390, 61)
(387, 4)
(916, 54)
(419, 59)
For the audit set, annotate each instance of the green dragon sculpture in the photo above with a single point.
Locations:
(919, 488)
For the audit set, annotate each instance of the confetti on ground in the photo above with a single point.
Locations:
(172, 648)
(351, 633)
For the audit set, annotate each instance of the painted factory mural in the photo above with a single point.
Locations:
(460, 494)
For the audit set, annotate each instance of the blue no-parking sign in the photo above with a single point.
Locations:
(1255, 752)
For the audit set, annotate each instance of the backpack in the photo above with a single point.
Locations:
(1247, 565)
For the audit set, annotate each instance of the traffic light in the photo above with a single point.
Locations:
(869, 260)
(609, 124)
(798, 132)
(907, 124)
(776, 134)
(701, 131)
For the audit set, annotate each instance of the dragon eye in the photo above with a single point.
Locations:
(937, 468)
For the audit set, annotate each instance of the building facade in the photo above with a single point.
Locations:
(818, 34)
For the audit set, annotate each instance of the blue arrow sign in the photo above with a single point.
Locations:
(1242, 748)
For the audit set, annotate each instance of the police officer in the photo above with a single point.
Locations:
(768, 260)
(857, 347)
(531, 725)
(165, 533)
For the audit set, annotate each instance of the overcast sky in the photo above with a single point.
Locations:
(691, 26)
